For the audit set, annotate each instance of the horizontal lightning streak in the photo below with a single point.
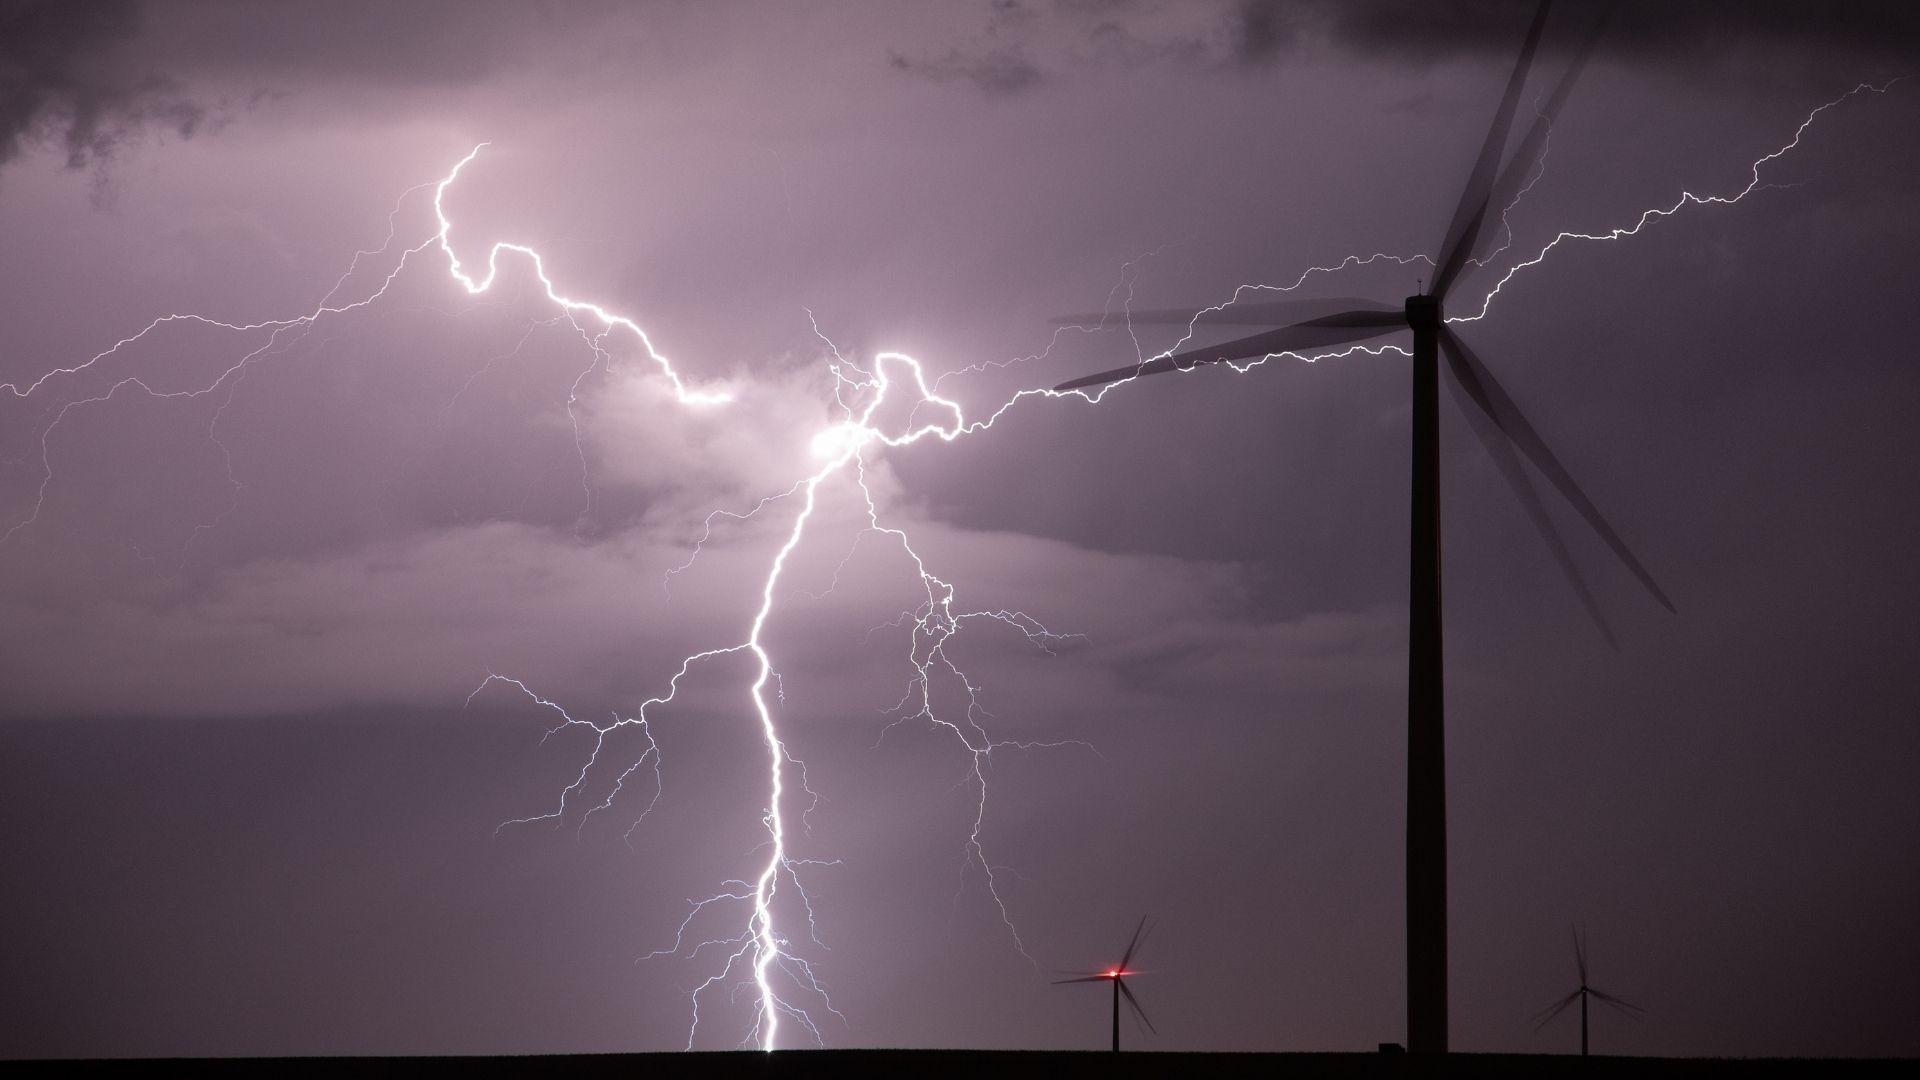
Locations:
(1686, 199)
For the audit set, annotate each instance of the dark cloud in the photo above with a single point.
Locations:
(422, 43)
(996, 71)
(1020, 44)
(62, 79)
(1260, 32)
(1263, 30)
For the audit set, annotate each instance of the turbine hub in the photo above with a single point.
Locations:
(1423, 312)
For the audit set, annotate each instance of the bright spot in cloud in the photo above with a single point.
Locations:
(838, 439)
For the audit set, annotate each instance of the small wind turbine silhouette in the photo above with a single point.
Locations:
(1545, 1016)
(1117, 975)
(1506, 434)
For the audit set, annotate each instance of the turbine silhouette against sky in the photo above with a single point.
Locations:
(1545, 1016)
(1502, 428)
(1117, 975)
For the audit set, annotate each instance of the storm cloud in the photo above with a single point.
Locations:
(1662, 32)
(240, 616)
(1021, 44)
(68, 77)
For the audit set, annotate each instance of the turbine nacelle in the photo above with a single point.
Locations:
(1423, 312)
(1506, 433)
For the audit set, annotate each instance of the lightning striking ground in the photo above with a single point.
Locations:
(760, 958)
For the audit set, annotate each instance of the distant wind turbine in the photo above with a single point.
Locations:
(1545, 1016)
(1117, 975)
(1502, 428)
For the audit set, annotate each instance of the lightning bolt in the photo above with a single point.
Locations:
(1686, 198)
(758, 955)
(444, 238)
(860, 393)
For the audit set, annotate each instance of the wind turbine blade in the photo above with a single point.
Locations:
(1500, 449)
(1329, 330)
(1545, 1016)
(1494, 400)
(1127, 992)
(1264, 313)
(1626, 1007)
(1580, 955)
(1507, 187)
(1472, 211)
(1135, 950)
(1088, 978)
(1127, 957)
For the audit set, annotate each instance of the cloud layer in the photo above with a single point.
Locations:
(68, 77)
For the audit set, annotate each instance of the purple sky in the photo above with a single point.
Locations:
(243, 808)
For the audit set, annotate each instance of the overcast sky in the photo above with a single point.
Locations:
(253, 573)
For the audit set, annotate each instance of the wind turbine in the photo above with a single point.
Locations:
(1117, 975)
(1545, 1016)
(1502, 428)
